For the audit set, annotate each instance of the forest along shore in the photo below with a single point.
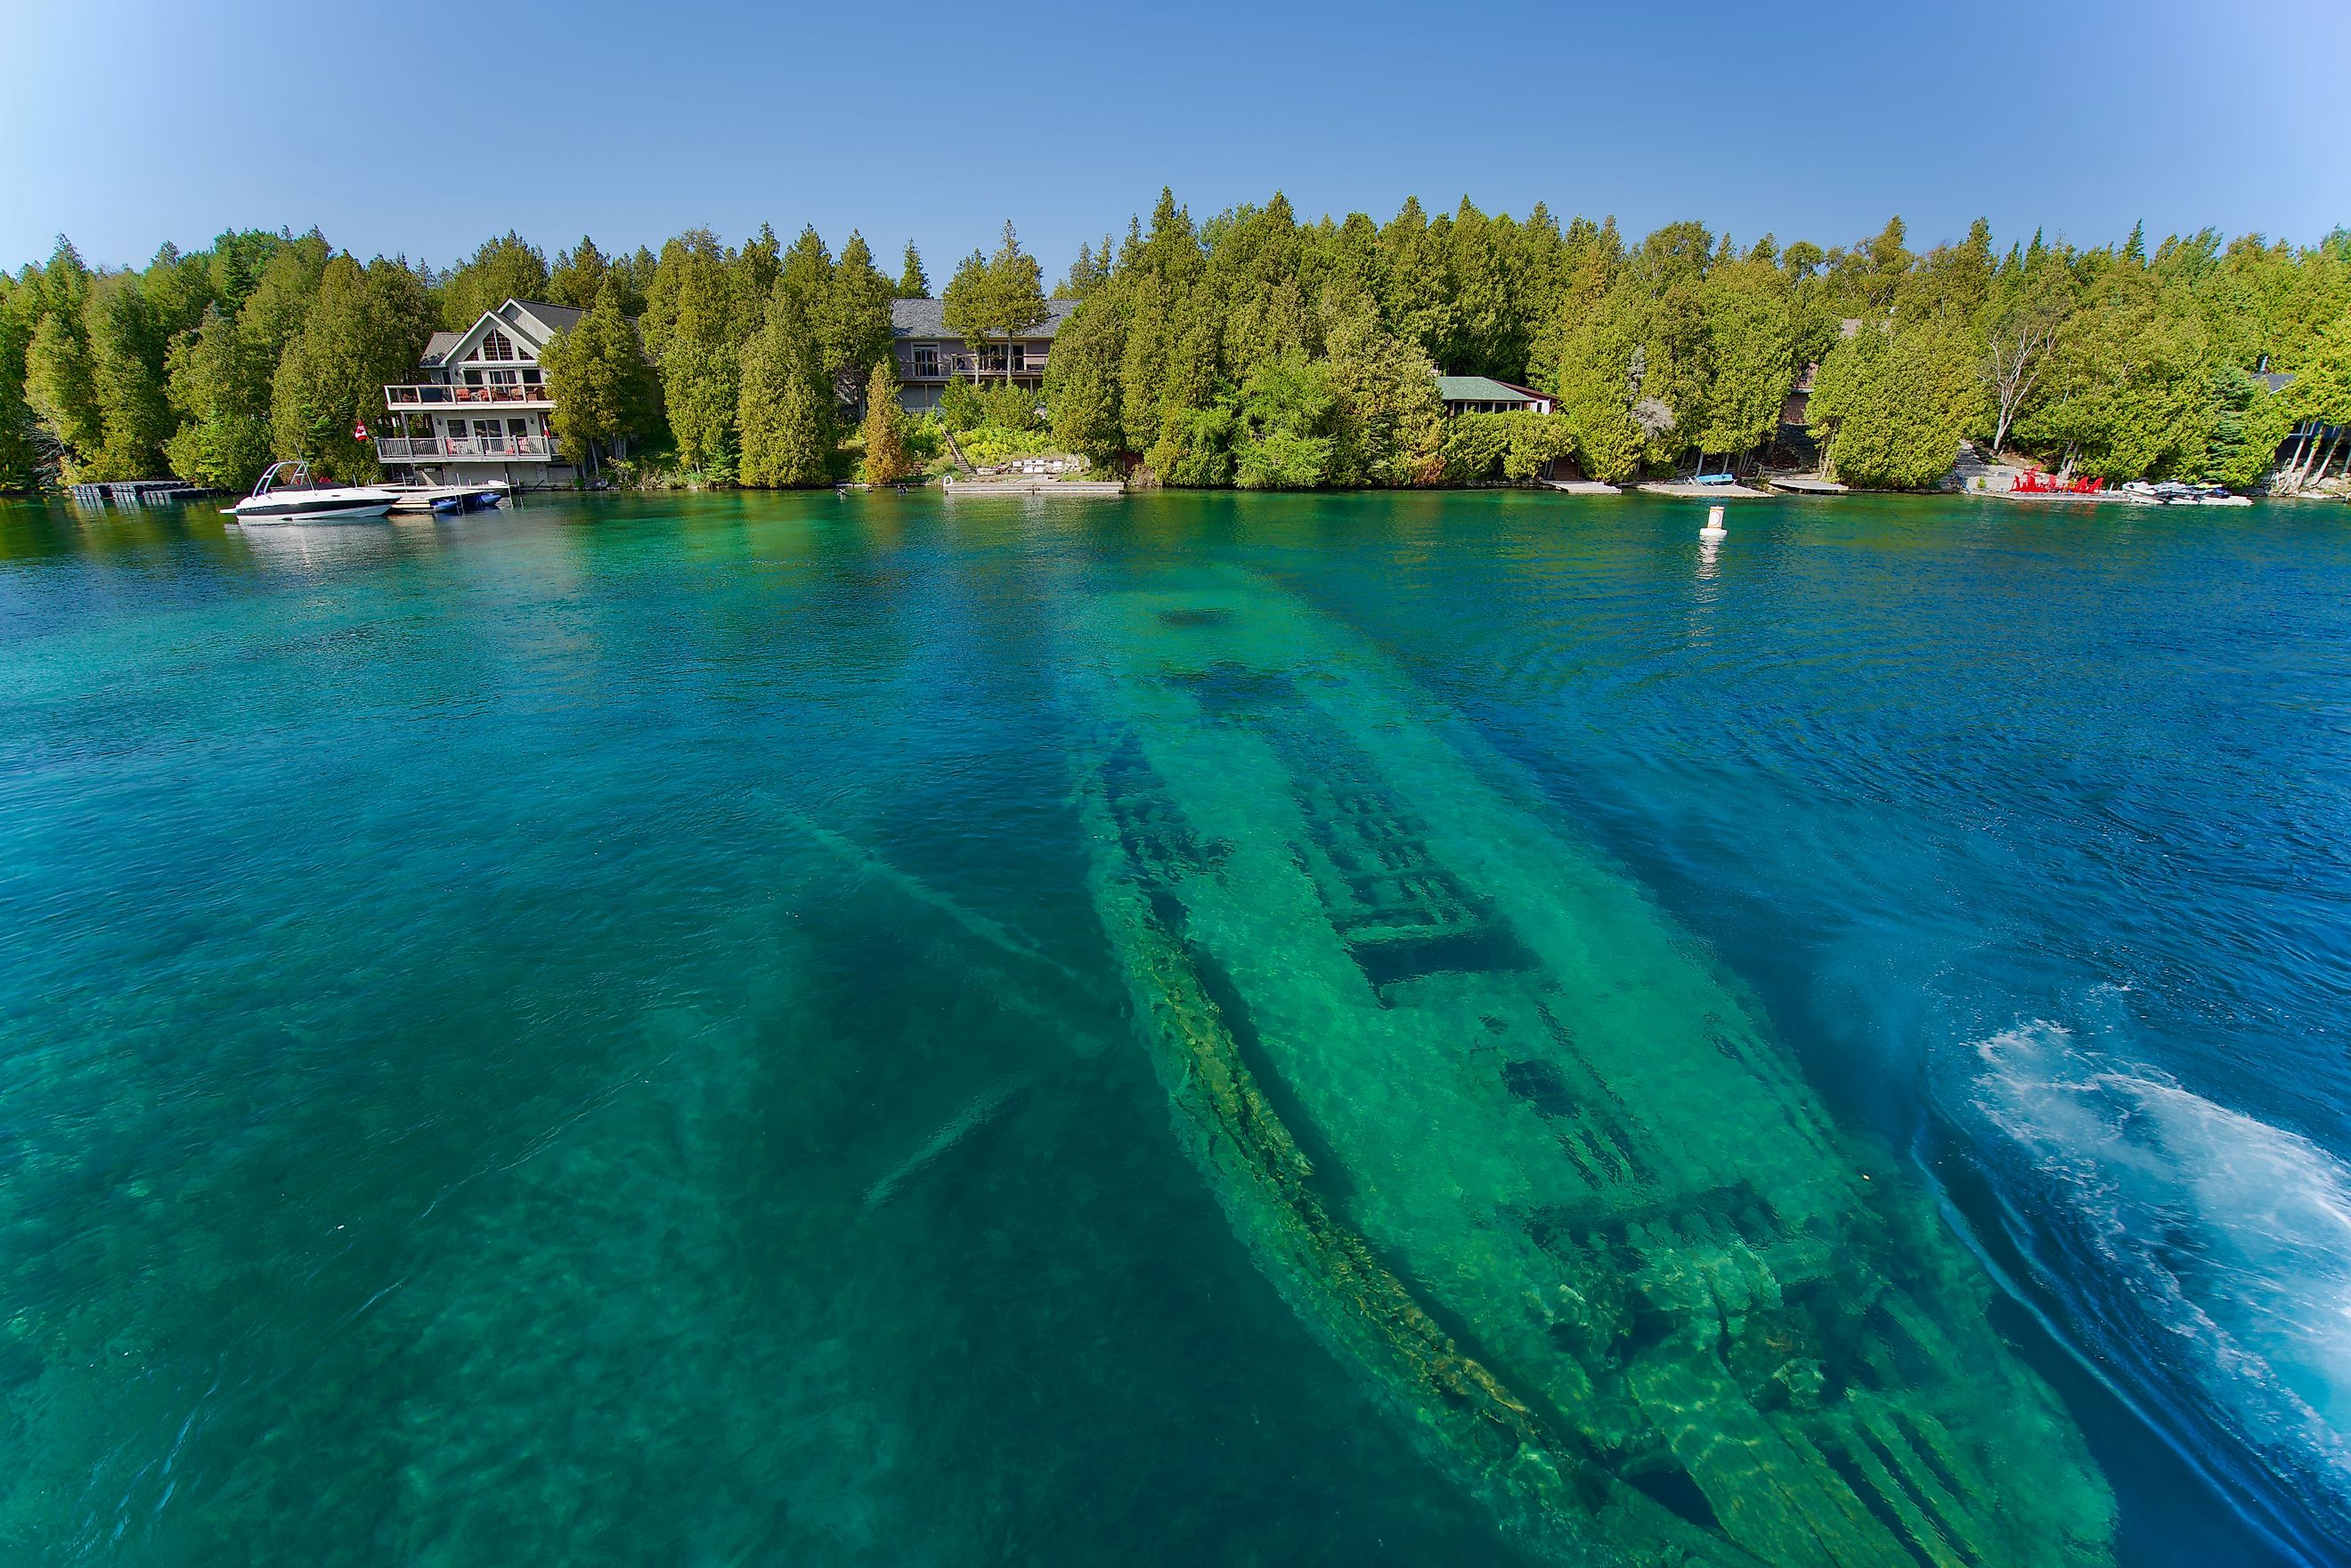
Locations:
(1252, 349)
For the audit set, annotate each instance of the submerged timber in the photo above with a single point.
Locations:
(1512, 1149)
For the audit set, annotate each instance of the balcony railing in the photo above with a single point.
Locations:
(398, 397)
(409, 448)
(950, 365)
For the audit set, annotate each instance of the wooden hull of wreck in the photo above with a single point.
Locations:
(1509, 1145)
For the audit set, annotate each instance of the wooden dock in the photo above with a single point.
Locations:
(1800, 485)
(1034, 485)
(1583, 487)
(1704, 492)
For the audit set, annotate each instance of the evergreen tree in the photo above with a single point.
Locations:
(578, 277)
(60, 378)
(785, 410)
(365, 332)
(502, 269)
(1001, 296)
(1390, 426)
(914, 283)
(20, 466)
(854, 323)
(1751, 344)
(1894, 403)
(695, 326)
(1081, 381)
(606, 394)
(886, 459)
(219, 383)
(127, 348)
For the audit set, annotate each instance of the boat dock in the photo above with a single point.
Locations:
(1688, 492)
(1033, 485)
(1583, 487)
(137, 492)
(1803, 484)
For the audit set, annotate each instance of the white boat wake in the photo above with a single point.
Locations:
(2208, 1250)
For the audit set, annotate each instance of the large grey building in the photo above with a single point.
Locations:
(929, 356)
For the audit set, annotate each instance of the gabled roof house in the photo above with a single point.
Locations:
(479, 408)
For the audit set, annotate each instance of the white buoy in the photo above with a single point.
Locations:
(1714, 530)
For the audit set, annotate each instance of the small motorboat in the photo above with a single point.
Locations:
(447, 500)
(288, 494)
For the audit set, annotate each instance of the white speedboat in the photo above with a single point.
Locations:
(288, 494)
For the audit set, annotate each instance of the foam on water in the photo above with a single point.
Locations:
(2220, 1246)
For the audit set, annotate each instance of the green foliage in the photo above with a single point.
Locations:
(1008, 406)
(887, 461)
(854, 318)
(914, 283)
(61, 386)
(606, 394)
(1894, 404)
(127, 346)
(1195, 448)
(579, 275)
(1081, 381)
(2130, 383)
(219, 383)
(2248, 421)
(1514, 445)
(365, 332)
(696, 325)
(502, 269)
(20, 464)
(1597, 372)
(785, 410)
(960, 408)
(2133, 358)
(996, 297)
(1390, 424)
(1288, 426)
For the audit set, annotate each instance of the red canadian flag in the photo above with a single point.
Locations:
(359, 428)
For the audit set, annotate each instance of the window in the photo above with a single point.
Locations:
(530, 378)
(1019, 359)
(926, 361)
(517, 429)
(503, 377)
(487, 429)
(497, 345)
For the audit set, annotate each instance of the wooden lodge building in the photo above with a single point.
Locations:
(479, 409)
(929, 356)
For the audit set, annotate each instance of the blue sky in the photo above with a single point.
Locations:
(424, 129)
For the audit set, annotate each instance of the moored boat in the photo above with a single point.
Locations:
(1512, 1147)
(286, 494)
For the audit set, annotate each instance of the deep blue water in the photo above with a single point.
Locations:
(581, 1035)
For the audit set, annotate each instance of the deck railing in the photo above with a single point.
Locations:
(398, 397)
(409, 448)
(948, 366)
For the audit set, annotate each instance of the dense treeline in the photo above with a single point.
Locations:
(1249, 349)
(1257, 351)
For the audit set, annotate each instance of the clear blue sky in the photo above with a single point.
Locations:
(423, 129)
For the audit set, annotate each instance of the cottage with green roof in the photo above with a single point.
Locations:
(1484, 394)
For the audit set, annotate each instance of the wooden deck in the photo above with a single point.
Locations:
(1704, 492)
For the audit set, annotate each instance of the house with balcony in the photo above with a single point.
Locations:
(929, 356)
(479, 410)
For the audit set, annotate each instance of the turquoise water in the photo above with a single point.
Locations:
(589, 1035)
